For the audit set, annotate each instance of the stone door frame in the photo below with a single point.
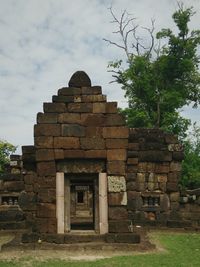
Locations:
(63, 204)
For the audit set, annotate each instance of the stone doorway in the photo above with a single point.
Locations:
(83, 202)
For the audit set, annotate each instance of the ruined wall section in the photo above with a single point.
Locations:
(153, 172)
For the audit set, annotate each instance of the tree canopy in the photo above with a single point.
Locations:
(161, 78)
(5, 150)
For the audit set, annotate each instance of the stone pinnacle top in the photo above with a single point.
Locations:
(80, 79)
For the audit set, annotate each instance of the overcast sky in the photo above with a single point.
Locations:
(43, 42)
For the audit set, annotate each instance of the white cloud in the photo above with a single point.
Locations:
(43, 42)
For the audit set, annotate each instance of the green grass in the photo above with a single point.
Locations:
(181, 250)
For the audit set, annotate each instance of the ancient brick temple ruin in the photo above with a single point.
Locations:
(87, 171)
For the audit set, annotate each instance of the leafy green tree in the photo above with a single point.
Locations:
(5, 150)
(191, 163)
(161, 78)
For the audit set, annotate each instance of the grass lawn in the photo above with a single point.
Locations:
(175, 249)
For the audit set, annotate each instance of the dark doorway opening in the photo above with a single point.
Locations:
(82, 203)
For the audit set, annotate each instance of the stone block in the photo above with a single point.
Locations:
(114, 120)
(27, 201)
(58, 154)
(66, 142)
(164, 202)
(116, 143)
(132, 154)
(15, 186)
(172, 187)
(47, 117)
(47, 130)
(111, 107)
(44, 154)
(99, 107)
(141, 186)
(93, 131)
(72, 130)
(80, 107)
(116, 154)
(11, 177)
(135, 202)
(28, 158)
(46, 210)
(131, 186)
(46, 168)
(44, 225)
(150, 167)
(29, 178)
(11, 215)
(69, 91)
(116, 167)
(54, 107)
(162, 167)
(69, 118)
(117, 199)
(142, 166)
(161, 178)
(93, 98)
(175, 166)
(93, 119)
(132, 168)
(62, 99)
(162, 186)
(30, 237)
(95, 154)
(92, 143)
(174, 177)
(175, 196)
(81, 166)
(171, 138)
(117, 213)
(141, 177)
(43, 142)
(132, 161)
(175, 206)
(54, 238)
(93, 90)
(179, 156)
(115, 132)
(116, 184)
(119, 226)
(47, 195)
(46, 182)
(175, 147)
(131, 176)
(28, 149)
(155, 156)
(74, 153)
(133, 146)
(130, 238)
